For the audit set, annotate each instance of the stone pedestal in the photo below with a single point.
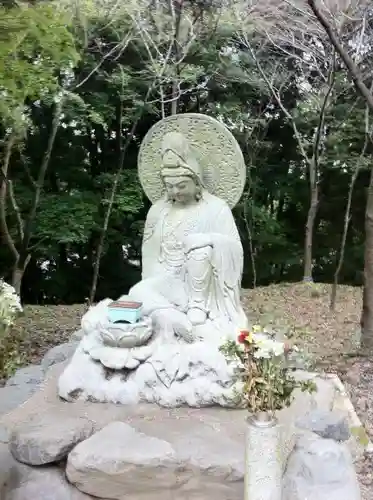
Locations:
(190, 454)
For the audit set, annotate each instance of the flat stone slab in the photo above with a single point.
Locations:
(4, 434)
(48, 438)
(32, 374)
(320, 469)
(151, 419)
(118, 461)
(58, 354)
(12, 397)
(77, 336)
(208, 439)
(6, 465)
(326, 424)
(45, 483)
(359, 442)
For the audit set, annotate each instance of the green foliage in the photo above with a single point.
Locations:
(75, 106)
(11, 358)
(67, 217)
(35, 46)
(360, 434)
(129, 193)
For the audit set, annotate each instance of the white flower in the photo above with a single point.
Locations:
(262, 354)
(268, 348)
(259, 338)
(278, 348)
(10, 304)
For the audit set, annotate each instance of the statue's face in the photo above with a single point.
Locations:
(182, 189)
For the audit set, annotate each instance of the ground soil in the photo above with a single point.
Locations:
(299, 310)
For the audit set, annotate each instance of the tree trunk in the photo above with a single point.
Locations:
(308, 243)
(22, 255)
(313, 173)
(333, 295)
(175, 98)
(250, 236)
(17, 276)
(101, 241)
(18, 273)
(24, 246)
(177, 11)
(355, 74)
(4, 182)
(367, 312)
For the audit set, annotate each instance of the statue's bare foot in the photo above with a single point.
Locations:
(196, 316)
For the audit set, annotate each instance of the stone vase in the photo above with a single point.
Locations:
(263, 458)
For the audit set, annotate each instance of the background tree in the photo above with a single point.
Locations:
(36, 47)
(365, 11)
(104, 90)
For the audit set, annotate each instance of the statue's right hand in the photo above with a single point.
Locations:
(186, 335)
(197, 240)
(174, 323)
(183, 327)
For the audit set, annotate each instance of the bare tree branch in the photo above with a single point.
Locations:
(10, 143)
(312, 160)
(16, 209)
(27, 170)
(120, 47)
(347, 217)
(351, 66)
(277, 97)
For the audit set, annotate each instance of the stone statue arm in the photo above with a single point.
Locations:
(150, 245)
(222, 235)
(224, 226)
(228, 251)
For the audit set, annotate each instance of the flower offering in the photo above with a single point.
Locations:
(266, 382)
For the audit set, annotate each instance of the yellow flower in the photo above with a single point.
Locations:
(249, 337)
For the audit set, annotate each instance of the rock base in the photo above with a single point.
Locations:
(121, 463)
(144, 452)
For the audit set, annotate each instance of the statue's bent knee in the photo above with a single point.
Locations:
(199, 254)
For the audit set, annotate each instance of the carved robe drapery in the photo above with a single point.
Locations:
(164, 275)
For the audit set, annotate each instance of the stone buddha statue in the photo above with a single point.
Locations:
(192, 169)
(192, 256)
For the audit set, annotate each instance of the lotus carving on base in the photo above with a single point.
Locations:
(125, 335)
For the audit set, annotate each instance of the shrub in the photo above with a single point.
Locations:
(10, 308)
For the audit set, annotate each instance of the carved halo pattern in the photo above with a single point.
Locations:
(215, 147)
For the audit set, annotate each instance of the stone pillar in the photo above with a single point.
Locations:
(263, 458)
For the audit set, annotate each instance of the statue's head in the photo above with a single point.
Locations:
(181, 173)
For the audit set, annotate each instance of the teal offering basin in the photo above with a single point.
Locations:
(124, 311)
